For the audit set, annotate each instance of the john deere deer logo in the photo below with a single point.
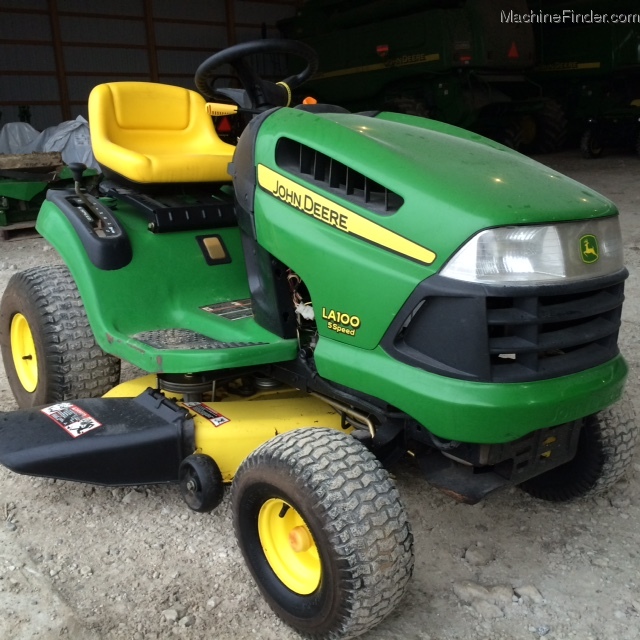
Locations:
(589, 249)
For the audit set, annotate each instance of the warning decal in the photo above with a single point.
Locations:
(74, 420)
(215, 418)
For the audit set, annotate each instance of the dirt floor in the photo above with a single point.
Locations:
(87, 562)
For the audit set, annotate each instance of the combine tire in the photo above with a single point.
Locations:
(48, 348)
(605, 451)
(408, 106)
(512, 136)
(590, 146)
(550, 129)
(324, 534)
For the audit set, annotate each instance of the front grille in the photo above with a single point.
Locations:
(550, 336)
(510, 334)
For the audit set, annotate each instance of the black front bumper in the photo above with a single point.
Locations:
(524, 333)
(469, 472)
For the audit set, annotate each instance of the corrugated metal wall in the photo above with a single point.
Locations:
(52, 52)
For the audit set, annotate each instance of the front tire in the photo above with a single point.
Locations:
(324, 534)
(605, 450)
(200, 482)
(48, 348)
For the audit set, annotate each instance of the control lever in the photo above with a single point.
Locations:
(77, 169)
(105, 240)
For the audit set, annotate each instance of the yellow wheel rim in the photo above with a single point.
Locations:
(23, 349)
(289, 546)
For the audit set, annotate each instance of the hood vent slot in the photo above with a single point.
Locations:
(327, 173)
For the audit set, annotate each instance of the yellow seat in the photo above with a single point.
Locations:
(156, 133)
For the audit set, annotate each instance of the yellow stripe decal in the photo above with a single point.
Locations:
(402, 61)
(589, 65)
(334, 215)
(568, 66)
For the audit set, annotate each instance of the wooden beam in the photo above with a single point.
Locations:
(45, 103)
(94, 45)
(58, 55)
(42, 12)
(102, 16)
(231, 21)
(291, 3)
(150, 29)
(49, 160)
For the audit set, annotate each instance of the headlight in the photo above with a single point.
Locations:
(567, 251)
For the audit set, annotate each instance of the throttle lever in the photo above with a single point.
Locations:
(77, 170)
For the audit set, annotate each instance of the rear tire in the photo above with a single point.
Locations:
(48, 348)
(408, 106)
(605, 450)
(590, 146)
(551, 129)
(512, 136)
(324, 534)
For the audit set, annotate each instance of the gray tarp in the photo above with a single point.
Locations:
(71, 138)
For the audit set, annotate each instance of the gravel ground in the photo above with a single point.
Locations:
(89, 562)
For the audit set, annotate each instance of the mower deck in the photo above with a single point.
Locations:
(125, 440)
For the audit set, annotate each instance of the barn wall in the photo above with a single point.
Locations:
(52, 52)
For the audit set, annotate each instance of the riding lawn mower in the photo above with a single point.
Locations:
(338, 293)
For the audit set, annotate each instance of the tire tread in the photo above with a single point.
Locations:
(613, 440)
(76, 366)
(365, 519)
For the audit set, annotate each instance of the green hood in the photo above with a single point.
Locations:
(453, 183)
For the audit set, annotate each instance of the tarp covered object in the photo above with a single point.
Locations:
(71, 138)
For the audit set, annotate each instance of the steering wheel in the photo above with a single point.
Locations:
(262, 94)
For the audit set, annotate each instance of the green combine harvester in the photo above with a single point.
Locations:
(338, 293)
(455, 61)
(593, 70)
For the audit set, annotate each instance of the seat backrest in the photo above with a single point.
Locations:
(156, 133)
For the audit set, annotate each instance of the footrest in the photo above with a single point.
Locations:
(185, 339)
(167, 213)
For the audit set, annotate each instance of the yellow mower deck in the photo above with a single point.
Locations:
(230, 429)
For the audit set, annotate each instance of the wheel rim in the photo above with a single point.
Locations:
(289, 546)
(192, 488)
(23, 348)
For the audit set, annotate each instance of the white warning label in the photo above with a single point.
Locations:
(215, 418)
(74, 420)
